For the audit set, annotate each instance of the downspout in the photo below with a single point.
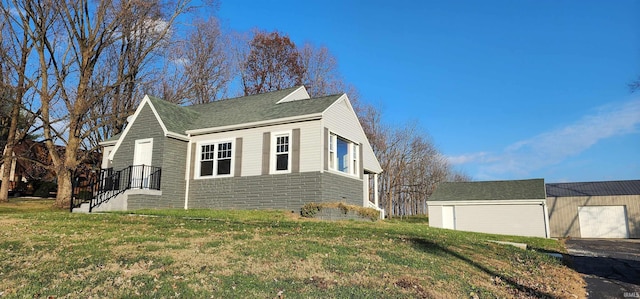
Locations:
(187, 174)
(545, 210)
(546, 220)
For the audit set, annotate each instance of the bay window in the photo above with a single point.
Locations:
(343, 155)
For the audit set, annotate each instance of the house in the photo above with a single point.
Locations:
(609, 209)
(498, 207)
(277, 150)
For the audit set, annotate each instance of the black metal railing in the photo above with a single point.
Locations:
(107, 184)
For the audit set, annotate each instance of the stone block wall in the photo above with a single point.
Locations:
(280, 191)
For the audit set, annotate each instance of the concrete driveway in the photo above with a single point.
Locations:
(611, 267)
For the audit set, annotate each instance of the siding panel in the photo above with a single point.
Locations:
(145, 126)
(281, 191)
(341, 120)
(253, 142)
(522, 220)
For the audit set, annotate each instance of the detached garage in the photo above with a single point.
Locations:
(497, 207)
(595, 209)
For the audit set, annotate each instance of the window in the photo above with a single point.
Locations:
(224, 158)
(355, 160)
(332, 151)
(216, 159)
(281, 153)
(343, 155)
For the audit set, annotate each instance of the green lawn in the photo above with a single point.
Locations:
(251, 254)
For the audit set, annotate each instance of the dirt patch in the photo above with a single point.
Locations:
(413, 285)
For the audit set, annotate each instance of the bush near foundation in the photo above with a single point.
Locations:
(311, 209)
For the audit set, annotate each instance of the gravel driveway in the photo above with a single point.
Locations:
(611, 268)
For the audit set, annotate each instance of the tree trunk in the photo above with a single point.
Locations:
(70, 163)
(63, 198)
(7, 156)
(6, 173)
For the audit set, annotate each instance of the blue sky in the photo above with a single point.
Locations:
(506, 89)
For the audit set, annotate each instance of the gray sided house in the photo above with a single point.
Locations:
(497, 207)
(608, 209)
(278, 150)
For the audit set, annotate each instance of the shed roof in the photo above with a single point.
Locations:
(631, 187)
(490, 190)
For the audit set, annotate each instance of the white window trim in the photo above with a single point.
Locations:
(273, 152)
(353, 168)
(333, 151)
(355, 159)
(215, 143)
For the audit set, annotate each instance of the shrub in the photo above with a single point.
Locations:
(42, 188)
(84, 195)
(311, 209)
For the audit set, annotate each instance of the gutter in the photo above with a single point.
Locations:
(257, 124)
(177, 136)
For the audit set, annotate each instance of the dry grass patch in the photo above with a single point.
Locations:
(204, 254)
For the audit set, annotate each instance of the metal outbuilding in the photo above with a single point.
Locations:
(609, 209)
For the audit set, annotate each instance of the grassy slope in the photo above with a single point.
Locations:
(261, 254)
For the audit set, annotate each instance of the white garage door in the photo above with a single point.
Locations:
(603, 222)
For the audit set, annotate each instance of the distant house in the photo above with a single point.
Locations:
(278, 150)
(31, 166)
(497, 207)
(609, 209)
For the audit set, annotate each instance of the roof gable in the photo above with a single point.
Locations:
(631, 187)
(299, 94)
(490, 190)
(146, 101)
(350, 122)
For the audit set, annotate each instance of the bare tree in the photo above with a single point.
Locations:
(206, 62)
(273, 63)
(321, 74)
(127, 63)
(198, 68)
(70, 42)
(15, 48)
(412, 164)
(170, 83)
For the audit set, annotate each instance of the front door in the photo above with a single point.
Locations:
(141, 169)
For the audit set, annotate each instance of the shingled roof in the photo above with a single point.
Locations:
(490, 190)
(606, 188)
(235, 111)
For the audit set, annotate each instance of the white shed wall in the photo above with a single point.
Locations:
(512, 219)
(435, 216)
